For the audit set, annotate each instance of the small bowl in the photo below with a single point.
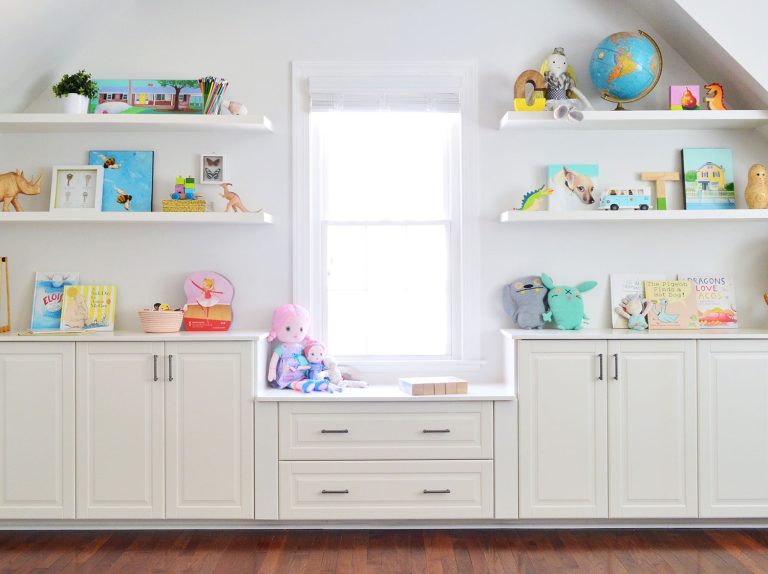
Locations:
(161, 321)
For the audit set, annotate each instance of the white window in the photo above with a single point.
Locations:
(379, 261)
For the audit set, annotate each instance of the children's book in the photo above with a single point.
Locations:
(47, 299)
(715, 299)
(89, 308)
(708, 177)
(626, 284)
(672, 305)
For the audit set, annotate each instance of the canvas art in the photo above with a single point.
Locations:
(127, 179)
(48, 298)
(672, 305)
(684, 97)
(88, 308)
(76, 187)
(209, 302)
(147, 97)
(574, 186)
(715, 299)
(708, 176)
(212, 168)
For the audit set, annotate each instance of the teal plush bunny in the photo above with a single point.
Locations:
(565, 303)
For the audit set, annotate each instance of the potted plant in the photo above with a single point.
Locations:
(76, 90)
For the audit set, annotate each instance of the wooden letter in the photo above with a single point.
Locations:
(660, 178)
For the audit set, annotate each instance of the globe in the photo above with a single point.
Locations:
(625, 67)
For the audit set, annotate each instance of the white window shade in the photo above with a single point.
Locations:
(398, 94)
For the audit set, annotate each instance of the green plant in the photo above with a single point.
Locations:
(78, 83)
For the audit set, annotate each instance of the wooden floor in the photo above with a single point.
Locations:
(391, 552)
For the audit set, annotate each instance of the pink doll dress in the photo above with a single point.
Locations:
(291, 355)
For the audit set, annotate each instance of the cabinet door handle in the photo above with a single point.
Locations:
(345, 491)
(334, 431)
(170, 368)
(600, 376)
(154, 367)
(446, 491)
(616, 367)
(431, 431)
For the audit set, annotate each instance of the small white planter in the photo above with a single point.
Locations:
(75, 104)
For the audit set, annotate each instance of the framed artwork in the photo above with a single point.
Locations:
(147, 97)
(77, 187)
(127, 179)
(212, 168)
(684, 98)
(574, 186)
(708, 177)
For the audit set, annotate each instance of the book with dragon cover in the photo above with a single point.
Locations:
(672, 305)
(715, 299)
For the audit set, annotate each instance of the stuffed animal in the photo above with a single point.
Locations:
(524, 302)
(332, 372)
(565, 304)
(634, 308)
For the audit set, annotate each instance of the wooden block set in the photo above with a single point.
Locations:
(422, 386)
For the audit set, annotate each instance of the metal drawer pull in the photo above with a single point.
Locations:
(446, 491)
(345, 491)
(170, 368)
(154, 366)
(428, 431)
(600, 376)
(334, 431)
(616, 367)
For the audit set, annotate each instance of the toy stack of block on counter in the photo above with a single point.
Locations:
(184, 197)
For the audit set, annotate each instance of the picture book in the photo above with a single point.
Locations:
(715, 299)
(672, 305)
(47, 299)
(574, 186)
(89, 308)
(127, 179)
(624, 285)
(147, 97)
(708, 177)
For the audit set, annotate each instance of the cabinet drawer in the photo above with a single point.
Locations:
(386, 489)
(386, 431)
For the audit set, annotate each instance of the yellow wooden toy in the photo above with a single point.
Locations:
(538, 102)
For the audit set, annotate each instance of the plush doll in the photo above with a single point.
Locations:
(565, 304)
(333, 374)
(524, 302)
(290, 325)
(634, 309)
(562, 95)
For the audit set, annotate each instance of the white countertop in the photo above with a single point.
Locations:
(121, 336)
(381, 393)
(637, 335)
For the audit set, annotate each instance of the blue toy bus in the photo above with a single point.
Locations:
(615, 199)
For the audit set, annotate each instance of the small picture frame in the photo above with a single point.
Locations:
(212, 168)
(77, 187)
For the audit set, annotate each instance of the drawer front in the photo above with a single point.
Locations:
(403, 489)
(386, 431)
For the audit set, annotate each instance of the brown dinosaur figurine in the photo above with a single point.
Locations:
(715, 97)
(14, 183)
(234, 203)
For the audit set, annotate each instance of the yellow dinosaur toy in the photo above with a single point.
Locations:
(714, 97)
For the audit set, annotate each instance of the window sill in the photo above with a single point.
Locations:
(412, 366)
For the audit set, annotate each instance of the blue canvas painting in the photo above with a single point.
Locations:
(127, 179)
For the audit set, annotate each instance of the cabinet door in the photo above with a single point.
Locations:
(37, 434)
(563, 429)
(652, 433)
(120, 470)
(209, 430)
(733, 429)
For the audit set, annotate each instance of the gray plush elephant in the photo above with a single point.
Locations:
(524, 301)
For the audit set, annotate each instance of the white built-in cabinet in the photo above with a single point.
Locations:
(607, 429)
(37, 434)
(165, 430)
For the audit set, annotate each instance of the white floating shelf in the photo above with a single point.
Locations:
(632, 215)
(640, 120)
(50, 123)
(116, 217)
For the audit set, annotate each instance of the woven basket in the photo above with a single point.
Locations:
(161, 321)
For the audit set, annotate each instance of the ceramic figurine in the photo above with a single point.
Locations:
(565, 304)
(561, 92)
(524, 301)
(715, 97)
(756, 193)
(234, 203)
(539, 84)
(634, 309)
(234, 108)
(14, 183)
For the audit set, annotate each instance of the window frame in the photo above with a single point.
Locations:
(307, 254)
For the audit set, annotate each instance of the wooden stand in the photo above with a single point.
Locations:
(660, 178)
(6, 328)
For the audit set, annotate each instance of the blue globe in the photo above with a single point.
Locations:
(626, 66)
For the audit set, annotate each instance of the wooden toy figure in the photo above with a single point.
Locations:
(756, 193)
(12, 184)
(715, 97)
(234, 203)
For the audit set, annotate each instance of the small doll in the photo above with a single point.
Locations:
(314, 371)
(634, 309)
(290, 325)
(562, 95)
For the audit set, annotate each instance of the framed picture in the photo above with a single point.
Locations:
(708, 177)
(127, 179)
(574, 186)
(147, 97)
(212, 168)
(684, 97)
(77, 187)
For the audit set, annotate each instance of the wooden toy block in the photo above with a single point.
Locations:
(660, 178)
(440, 388)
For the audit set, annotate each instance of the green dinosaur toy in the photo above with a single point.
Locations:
(533, 199)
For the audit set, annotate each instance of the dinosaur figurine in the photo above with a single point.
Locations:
(533, 200)
(12, 184)
(234, 203)
(661, 312)
(715, 97)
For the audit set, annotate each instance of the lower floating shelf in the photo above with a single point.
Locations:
(635, 215)
(151, 217)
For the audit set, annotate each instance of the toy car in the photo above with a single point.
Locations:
(615, 199)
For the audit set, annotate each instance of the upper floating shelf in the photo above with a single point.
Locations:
(64, 216)
(640, 120)
(49, 123)
(633, 215)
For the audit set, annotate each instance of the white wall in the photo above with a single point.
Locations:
(253, 43)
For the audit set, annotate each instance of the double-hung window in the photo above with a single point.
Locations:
(380, 258)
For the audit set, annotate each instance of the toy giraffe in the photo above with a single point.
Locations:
(715, 97)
